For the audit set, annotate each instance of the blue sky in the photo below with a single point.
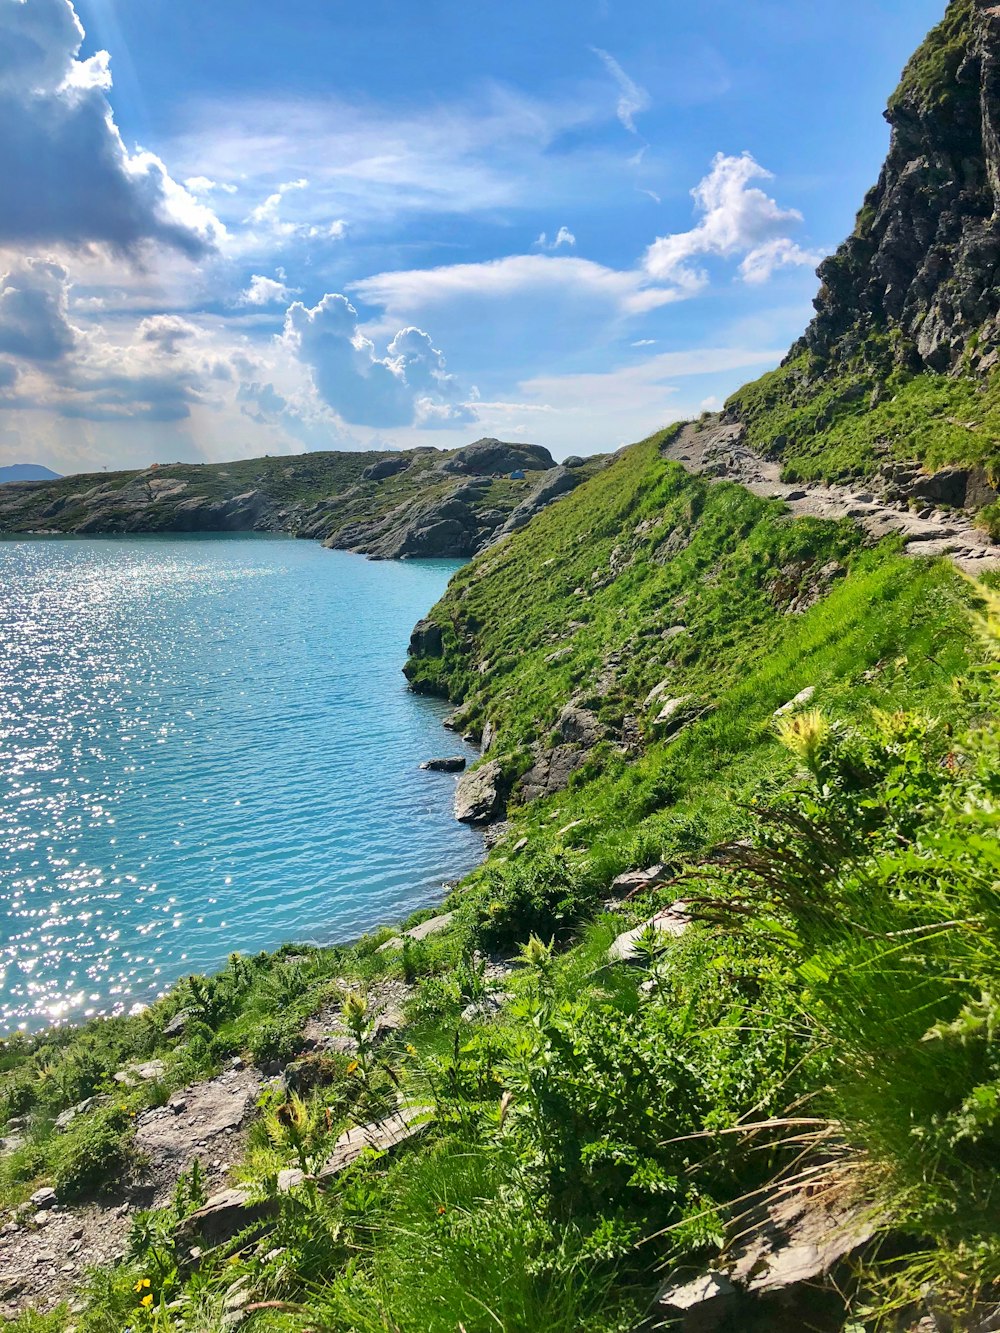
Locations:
(241, 229)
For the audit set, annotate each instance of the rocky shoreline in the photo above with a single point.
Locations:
(422, 503)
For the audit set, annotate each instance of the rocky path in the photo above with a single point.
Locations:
(716, 450)
(46, 1247)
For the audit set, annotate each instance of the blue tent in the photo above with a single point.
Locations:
(517, 474)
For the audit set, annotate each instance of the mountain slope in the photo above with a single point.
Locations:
(26, 472)
(423, 502)
(710, 1039)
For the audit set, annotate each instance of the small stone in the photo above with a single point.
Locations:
(672, 921)
(44, 1198)
(41, 1219)
(803, 697)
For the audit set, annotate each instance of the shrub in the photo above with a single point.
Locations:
(545, 896)
(97, 1155)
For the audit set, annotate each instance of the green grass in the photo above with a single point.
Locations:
(831, 427)
(558, 1175)
(929, 80)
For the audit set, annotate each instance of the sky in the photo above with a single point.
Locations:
(229, 230)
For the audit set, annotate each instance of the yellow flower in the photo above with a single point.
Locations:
(143, 1282)
(352, 1066)
(411, 1050)
(147, 1300)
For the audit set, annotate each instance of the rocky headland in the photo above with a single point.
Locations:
(422, 502)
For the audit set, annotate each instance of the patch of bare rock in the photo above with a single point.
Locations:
(46, 1247)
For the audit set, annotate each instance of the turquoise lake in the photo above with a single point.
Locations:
(206, 745)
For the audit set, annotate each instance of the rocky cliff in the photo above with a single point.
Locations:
(922, 261)
(898, 363)
(423, 502)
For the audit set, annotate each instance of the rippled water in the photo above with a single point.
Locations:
(206, 744)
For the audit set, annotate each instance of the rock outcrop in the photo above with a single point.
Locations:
(487, 456)
(232, 1210)
(924, 254)
(479, 796)
(424, 503)
(559, 481)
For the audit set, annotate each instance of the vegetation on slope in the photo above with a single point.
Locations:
(930, 79)
(583, 1137)
(846, 423)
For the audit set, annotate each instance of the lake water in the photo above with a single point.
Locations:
(206, 745)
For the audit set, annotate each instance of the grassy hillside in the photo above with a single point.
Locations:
(558, 1179)
(841, 422)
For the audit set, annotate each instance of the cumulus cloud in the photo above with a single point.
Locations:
(268, 222)
(782, 252)
(737, 219)
(562, 237)
(632, 99)
(262, 403)
(202, 185)
(8, 375)
(34, 312)
(266, 291)
(66, 176)
(168, 332)
(409, 385)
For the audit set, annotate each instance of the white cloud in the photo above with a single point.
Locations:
(409, 385)
(406, 291)
(266, 291)
(737, 218)
(365, 162)
(761, 263)
(632, 99)
(562, 237)
(202, 185)
(66, 177)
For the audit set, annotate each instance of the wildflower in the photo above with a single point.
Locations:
(352, 1067)
(411, 1049)
(147, 1300)
(354, 1008)
(143, 1282)
(804, 734)
(441, 1210)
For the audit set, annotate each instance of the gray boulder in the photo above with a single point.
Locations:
(425, 639)
(479, 795)
(454, 763)
(488, 455)
(672, 922)
(386, 467)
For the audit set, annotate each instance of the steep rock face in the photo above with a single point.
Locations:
(923, 259)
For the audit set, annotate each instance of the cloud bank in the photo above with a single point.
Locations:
(66, 176)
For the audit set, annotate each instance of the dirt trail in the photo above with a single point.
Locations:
(45, 1252)
(716, 450)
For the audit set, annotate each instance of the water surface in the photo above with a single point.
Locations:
(206, 745)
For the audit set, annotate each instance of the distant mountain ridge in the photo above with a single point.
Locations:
(390, 505)
(27, 472)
